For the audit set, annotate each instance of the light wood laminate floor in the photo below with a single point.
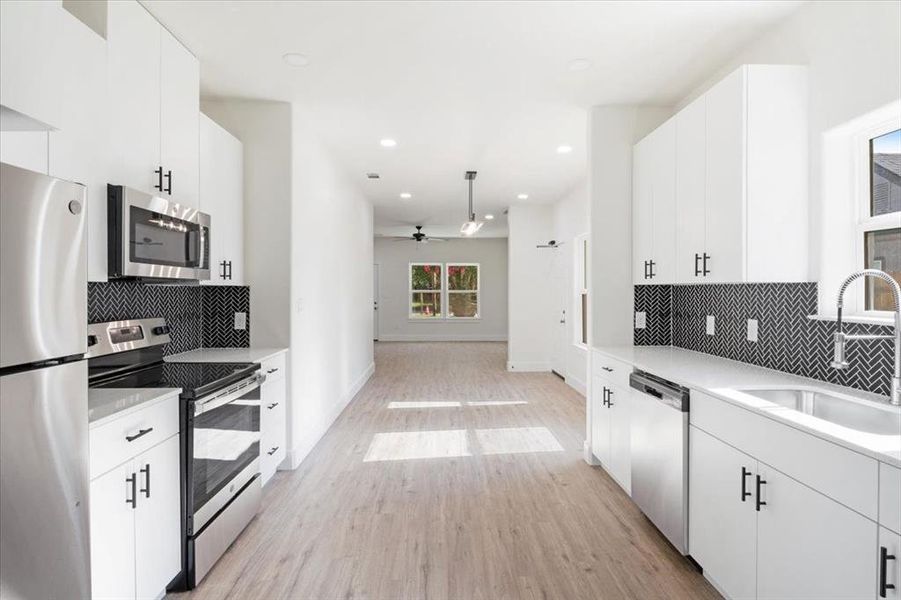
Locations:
(448, 477)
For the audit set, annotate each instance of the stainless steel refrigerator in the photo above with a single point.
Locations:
(44, 469)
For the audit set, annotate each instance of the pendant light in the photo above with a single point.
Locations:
(470, 226)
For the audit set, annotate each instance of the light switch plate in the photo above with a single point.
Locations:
(641, 320)
(752, 330)
(711, 325)
(240, 320)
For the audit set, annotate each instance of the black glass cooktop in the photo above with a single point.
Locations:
(195, 379)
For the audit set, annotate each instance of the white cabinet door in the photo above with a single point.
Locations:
(725, 177)
(722, 521)
(157, 518)
(113, 533)
(809, 546)
(179, 109)
(642, 210)
(620, 465)
(600, 421)
(273, 427)
(222, 196)
(889, 565)
(133, 47)
(663, 182)
(691, 169)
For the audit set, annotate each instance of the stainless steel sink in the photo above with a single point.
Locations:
(845, 411)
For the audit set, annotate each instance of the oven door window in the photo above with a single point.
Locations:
(158, 239)
(226, 442)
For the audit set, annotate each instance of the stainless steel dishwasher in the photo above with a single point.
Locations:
(659, 424)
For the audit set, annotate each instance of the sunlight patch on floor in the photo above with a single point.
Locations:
(496, 402)
(406, 445)
(425, 404)
(517, 440)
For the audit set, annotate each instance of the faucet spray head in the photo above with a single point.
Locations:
(838, 359)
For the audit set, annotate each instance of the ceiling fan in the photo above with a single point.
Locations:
(419, 237)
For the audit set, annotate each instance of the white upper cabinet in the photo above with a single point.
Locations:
(739, 183)
(134, 96)
(654, 180)
(154, 91)
(222, 196)
(179, 119)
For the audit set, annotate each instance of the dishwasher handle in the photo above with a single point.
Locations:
(666, 392)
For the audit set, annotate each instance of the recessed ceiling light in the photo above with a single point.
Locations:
(579, 64)
(406, 195)
(522, 196)
(489, 217)
(388, 143)
(296, 60)
(564, 149)
(372, 176)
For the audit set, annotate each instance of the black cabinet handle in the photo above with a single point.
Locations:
(168, 189)
(609, 398)
(651, 272)
(272, 370)
(273, 405)
(143, 432)
(706, 271)
(645, 269)
(273, 451)
(884, 557)
(604, 397)
(760, 502)
(159, 181)
(608, 369)
(146, 489)
(134, 491)
(744, 483)
(697, 260)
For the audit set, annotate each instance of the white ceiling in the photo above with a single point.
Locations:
(460, 85)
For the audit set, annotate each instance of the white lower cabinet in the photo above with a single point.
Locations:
(272, 427)
(889, 565)
(759, 533)
(135, 514)
(610, 431)
(722, 520)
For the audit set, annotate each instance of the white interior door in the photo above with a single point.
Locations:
(375, 302)
(559, 317)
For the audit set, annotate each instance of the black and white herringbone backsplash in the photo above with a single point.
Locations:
(199, 316)
(787, 340)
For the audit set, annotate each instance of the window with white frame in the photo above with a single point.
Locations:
(879, 223)
(462, 290)
(426, 290)
(581, 285)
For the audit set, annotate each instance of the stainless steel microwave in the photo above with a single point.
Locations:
(156, 239)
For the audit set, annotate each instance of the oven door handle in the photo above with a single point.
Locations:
(231, 394)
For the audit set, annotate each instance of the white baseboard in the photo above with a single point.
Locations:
(528, 367)
(303, 446)
(588, 455)
(442, 337)
(577, 385)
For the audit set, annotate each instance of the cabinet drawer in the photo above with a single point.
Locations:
(841, 474)
(110, 445)
(614, 371)
(890, 498)
(273, 367)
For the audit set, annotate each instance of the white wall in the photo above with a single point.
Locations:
(853, 53)
(569, 217)
(394, 257)
(331, 289)
(529, 299)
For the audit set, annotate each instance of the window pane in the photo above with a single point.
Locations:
(426, 277)
(463, 304)
(462, 277)
(885, 173)
(584, 305)
(882, 251)
(426, 304)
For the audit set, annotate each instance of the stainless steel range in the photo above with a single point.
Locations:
(220, 432)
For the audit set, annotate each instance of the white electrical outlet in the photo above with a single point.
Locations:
(711, 325)
(752, 330)
(641, 320)
(240, 320)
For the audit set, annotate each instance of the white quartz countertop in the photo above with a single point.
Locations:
(226, 355)
(106, 404)
(723, 378)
